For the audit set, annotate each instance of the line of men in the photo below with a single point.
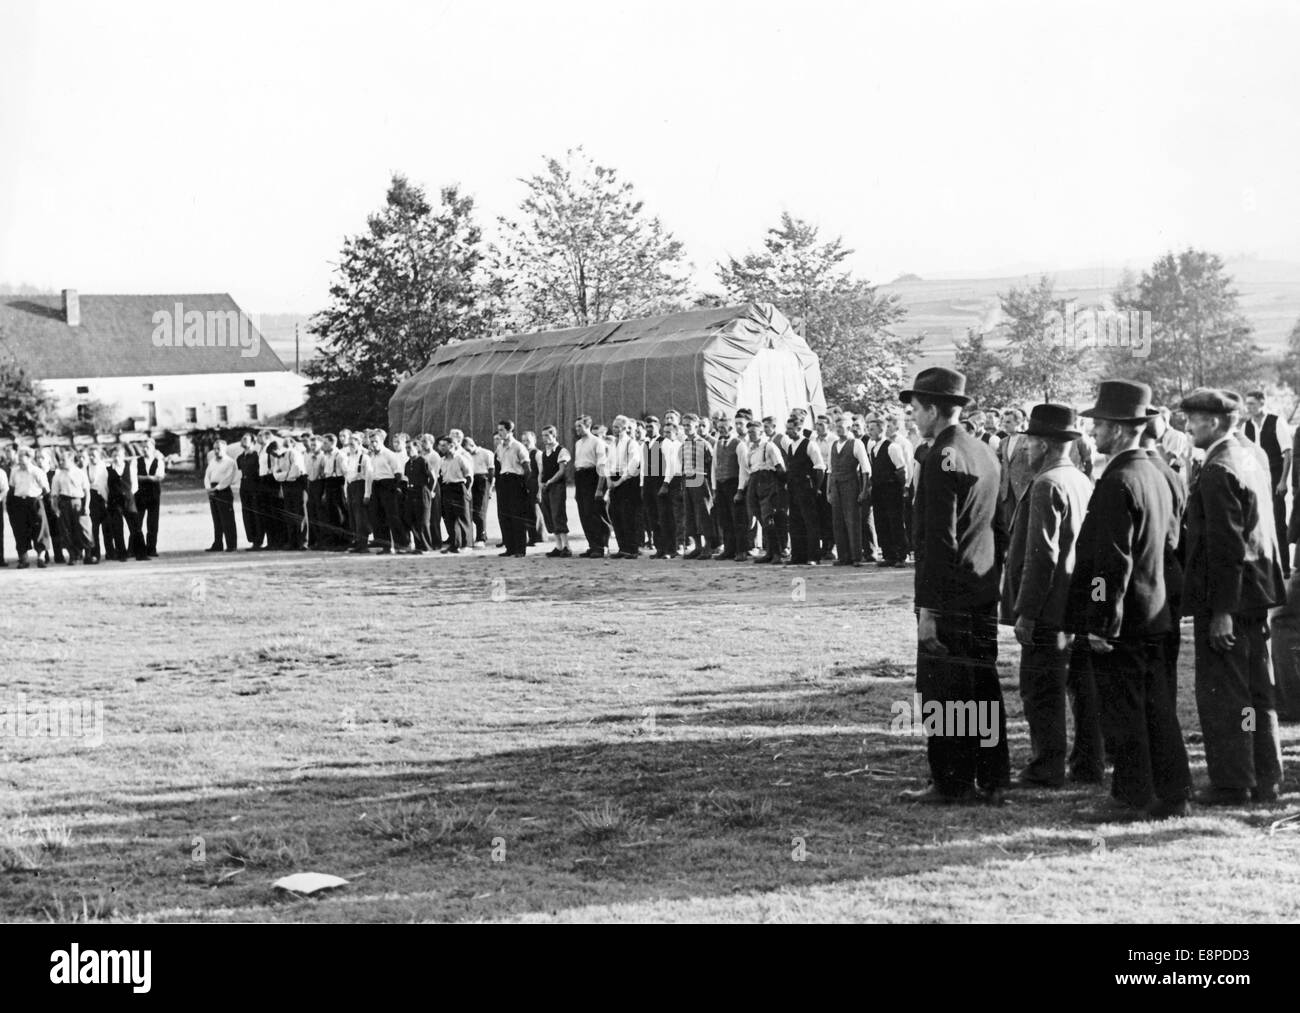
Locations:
(696, 487)
(1094, 582)
(81, 506)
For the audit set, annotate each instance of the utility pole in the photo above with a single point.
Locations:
(297, 350)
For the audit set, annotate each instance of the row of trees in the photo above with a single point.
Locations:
(582, 250)
(1197, 337)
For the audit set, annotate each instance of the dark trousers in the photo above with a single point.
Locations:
(697, 499)
(670, 494)
(1044, 670)
(846, 521)
(724, 509)
(149, 504)
(966, 675)
(221, 502)
(870, 542)
(1088, 754)
(333, 514)
(591, 515)
(1140, 723)
(251, 509)
(1279, 521)
(359, 514)
(650, 508)
(51, 537)
(805, 542)
(386, 515)
(25, 518)
(825, 523)
(417, 513)
(315, 503)
(456, 515)
(481, 493)
(762, 495)
(271, 503)
(887, 505)
(623, 500)
(533, 500)
(293, 496)
(513, 511)
(1237, 707)
(133, 543)
(555, 507)
(98, 514)
(74, 526)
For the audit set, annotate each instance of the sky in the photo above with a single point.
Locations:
(185, 148)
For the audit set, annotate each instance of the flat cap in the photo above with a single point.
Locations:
(1212, 401)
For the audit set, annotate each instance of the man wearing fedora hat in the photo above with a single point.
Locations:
(1234, 576)
(956, 594)
(1036, 585)
(1118, 599)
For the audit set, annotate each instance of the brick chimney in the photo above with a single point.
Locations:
(71, 307)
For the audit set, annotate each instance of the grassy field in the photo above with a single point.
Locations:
(478, 738)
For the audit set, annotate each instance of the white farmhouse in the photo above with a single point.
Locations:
(167, 362)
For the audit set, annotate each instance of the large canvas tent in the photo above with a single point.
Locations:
(703, 361)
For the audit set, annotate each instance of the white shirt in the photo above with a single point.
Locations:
(627, 458)
(670, 458)
(355, 465)
(456, 467)
(98, 476)
(589, 452)
(70, 482)
(221, 473)
(1284, 432)
(512, 456)
(29, 482)
(762, 456)
(897, 456)
(859, 452)
(386, 464)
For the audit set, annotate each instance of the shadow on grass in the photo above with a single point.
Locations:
(537, 830)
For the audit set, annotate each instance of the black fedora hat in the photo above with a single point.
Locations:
(938, 383)
(1120, 401)
(1053, 421)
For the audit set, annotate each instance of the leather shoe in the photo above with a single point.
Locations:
(933, 796)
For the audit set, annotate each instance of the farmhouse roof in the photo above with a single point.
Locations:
(114, 337)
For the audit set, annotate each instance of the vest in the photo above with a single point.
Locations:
(883, 473)
(550, 463)
(1267, 440)
(799, 465)
(844, 464)
(652, 462)
(148, 492)
(726, 462)
(119, 489)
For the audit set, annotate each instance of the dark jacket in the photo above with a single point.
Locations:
(1118, 590)
(1040, 554)
(1233, 561)
(952, 526)
(418, 473)
(1174, 556)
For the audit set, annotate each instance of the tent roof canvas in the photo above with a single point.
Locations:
(701, 360)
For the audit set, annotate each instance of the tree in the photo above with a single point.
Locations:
(986, 372)
(844, 319)
(585, 250)
(25, 408)
(89, 418)
(413, 281)
(1044, 365)
(1289, 368)
(1199, 336)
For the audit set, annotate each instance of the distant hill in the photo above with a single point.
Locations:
(945, 308)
